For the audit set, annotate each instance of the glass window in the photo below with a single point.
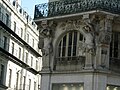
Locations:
(21, 33)
(14, 26)
(36, 65)
(24, 82)
(19, 53)
(5, 42)
(10, 76)
(26, 59)
(34, 85)
(27, 38)
(12, 48)
(17, 80)
(31, 61)
(7, 19)
(29, 84)
(67, 46)
(1, 73)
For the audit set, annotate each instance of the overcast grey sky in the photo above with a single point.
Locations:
(29, 5)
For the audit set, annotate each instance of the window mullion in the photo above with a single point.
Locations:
(72, 44)
(77, 47)
(61, 47)
(67, 41)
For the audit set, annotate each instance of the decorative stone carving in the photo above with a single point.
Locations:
(46, 35)
(70, 25)
(89, 33)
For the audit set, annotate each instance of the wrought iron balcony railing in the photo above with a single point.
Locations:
(66, 7)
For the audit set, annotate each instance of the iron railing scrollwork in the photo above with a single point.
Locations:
(65, 7)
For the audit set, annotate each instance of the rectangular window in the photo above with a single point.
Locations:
(27, 38)
(19, 53)
(36, 65)
(31, 61)
(33, 43)
(14, 26)
(4, 42)
(21, 33)
(10, 76)
(17, 80)
(7, 19)
(29, 84)
(1, 74)
(34, 85)
(24, 81)
(26, 59)
(12, 48)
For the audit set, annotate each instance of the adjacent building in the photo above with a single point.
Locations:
(20, 58)
(80, 43)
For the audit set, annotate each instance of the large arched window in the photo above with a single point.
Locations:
(68, 48)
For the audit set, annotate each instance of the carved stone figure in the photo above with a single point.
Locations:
(47, 41)
(88, 32)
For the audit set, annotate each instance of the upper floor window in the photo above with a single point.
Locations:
(27, 38)
(7, 19)
(33, 43)
(26, 59)
(12, 48)
(19, 53)
(68, 45)
(21, 33)
(1, 73)
(14, 26)
(31, 61)
(69, 53)
(10, 77)
(4, 42)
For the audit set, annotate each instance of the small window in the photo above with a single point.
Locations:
(17, 80)
(29, 84)
(1, 73)
(21, 33)
(27, 38)
(31, 61)
(34, 85)
(14, 26)
(5, 42)
(19, 53)
(10, 76)
(12, 48)
(7, 19)
(26, 59)
(33, 43)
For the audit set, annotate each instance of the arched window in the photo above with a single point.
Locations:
(68, 48)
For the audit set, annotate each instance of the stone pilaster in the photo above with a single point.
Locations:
(104, 38)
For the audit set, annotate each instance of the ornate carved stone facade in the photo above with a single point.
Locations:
(81, 45)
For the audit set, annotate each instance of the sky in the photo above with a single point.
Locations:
(29, 5)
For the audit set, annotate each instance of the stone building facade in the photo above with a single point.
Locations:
(20, 57)
(80, 42)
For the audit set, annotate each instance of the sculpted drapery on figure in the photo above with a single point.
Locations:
(45, 39)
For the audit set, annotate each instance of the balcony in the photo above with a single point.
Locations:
(65, 7)
(74, 63)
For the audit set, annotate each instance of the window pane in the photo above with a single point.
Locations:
(70, 44)
(74, 43)
(1, 73)
(64, 46)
